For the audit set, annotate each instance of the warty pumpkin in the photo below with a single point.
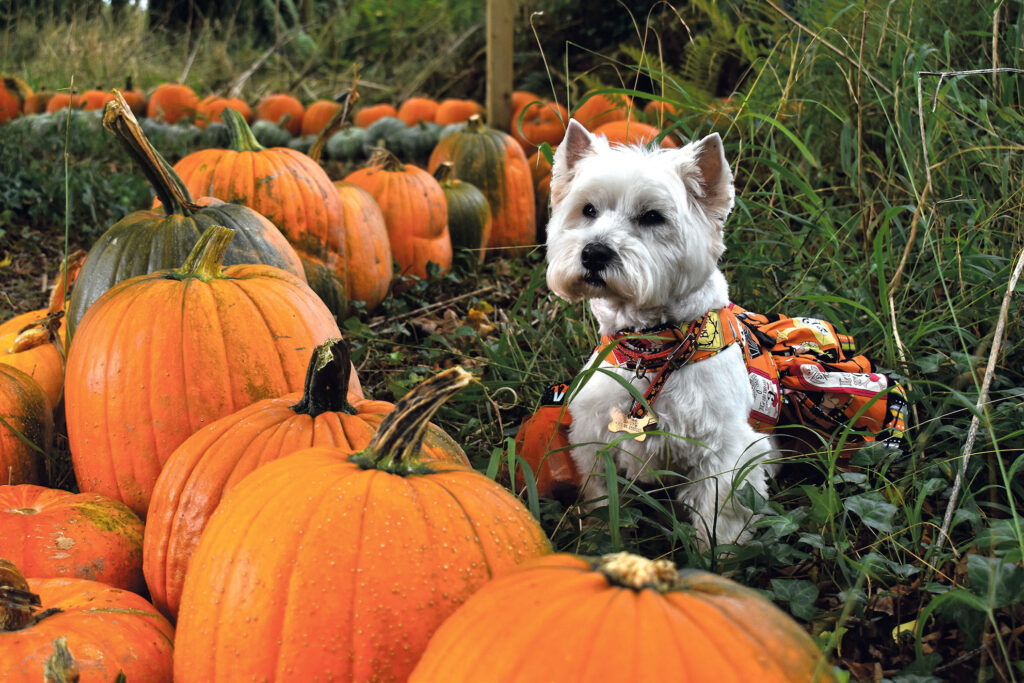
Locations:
(55, 533)
(342, 565)
(469, 213)
(67, 629)
(415, 211)
(148, 240)
(494, 162)
(204, 468)
(26, 427)
(630, 619)
(161, 355)
(287, 187)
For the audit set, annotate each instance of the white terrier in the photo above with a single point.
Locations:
(639, 233)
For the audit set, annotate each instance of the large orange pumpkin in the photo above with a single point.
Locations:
(632, 133)
(282, 109)
(172, 102)
(13, 94)
(26, 427)
(81, 630)
(50, 533)
(539, 122)
(620, 617)
(287, 187)
(342, 565)
(415, 211)
(212, 461)
(494, 162)
(599, 108)
(370, 263)
(161, 355)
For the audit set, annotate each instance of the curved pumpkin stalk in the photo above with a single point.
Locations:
(206, 260)
(327, 378)
(347, 99)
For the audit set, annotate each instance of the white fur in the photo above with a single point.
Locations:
(665, 272)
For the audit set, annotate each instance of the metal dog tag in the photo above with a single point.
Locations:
(621, 422)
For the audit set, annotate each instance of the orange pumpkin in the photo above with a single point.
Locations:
(50, 533)
(161, 355)
(35, 342)
(370, 263)
(63, 100)
(95, 99)
(521, 98)
(210, 108)
(416, 109)
(367, 115)
(634, 619)
(632, 133)
(659, 112)
(282, 109)
(26, 430)
(415, 211)
(318, 115)
(287, 187)
(543, 442)
(494, 162)
(13, 94)
(599, 108)
(537, 123)
(212, 461)
(456, 111)
(172, 102)
(81, 630)
(36, 102)
(359, 557)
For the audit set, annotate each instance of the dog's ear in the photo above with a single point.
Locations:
(708, 177)
(576, 144)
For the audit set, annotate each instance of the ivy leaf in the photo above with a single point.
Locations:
(996, 580)
(873, 510)
(799, 593)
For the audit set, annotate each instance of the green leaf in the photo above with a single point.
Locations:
(873, 510)
(799, 593)
(996, 580)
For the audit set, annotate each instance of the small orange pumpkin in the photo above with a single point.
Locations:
(95, 99)
(416, 109)
(600, 108)
(632, 133)
(172, 102)
(318, 115)
(456, 111)
(360, 557)
(50, 533)
(521, 98)
(204, 468)
(14, 92)
(367, 115)
(282, 109)
(539, 122)
(63, 100)
(636, 619)
(37, 101)
(415, 210)
(81, 630)
(209, 109)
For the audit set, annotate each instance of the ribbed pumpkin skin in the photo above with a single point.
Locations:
(278, 106)
(318, 115)
(370, 263)
(711, 629)
(25, 408)
(494, 162)
(43, 362)
(355, 568)
(156, 359)
(148, 240)
(172, 102)
(53, 533)
(469, 213)
(212, 461)
(415, 211)
(108, 631)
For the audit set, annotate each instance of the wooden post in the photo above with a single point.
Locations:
(500, 26)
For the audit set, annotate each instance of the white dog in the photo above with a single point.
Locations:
(639, 233)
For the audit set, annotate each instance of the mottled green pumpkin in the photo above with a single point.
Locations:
(469, 213)
(153, 239)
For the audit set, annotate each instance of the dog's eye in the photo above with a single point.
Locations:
(649, 218)
(589, 211)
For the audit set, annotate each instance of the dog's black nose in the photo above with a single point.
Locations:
(596, 256)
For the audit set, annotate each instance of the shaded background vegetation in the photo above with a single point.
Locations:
(870, 191)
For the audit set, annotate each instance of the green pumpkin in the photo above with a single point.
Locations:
(385, 132)
(417, 142)
(214, 136)
(154, 239)
(346, 145)
(469, 212)
(303, 143)
(269, 134)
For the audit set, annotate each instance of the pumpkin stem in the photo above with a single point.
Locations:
(445, 173)
(386, 159)
(395, 447)
(636, 572)
(326, 388)
(17, 602)
(119, 120)
(242, 139)
(475, 123)
(346, 99)
(207, 256)
(61, 667)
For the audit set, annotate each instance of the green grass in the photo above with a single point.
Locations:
(842, 176)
